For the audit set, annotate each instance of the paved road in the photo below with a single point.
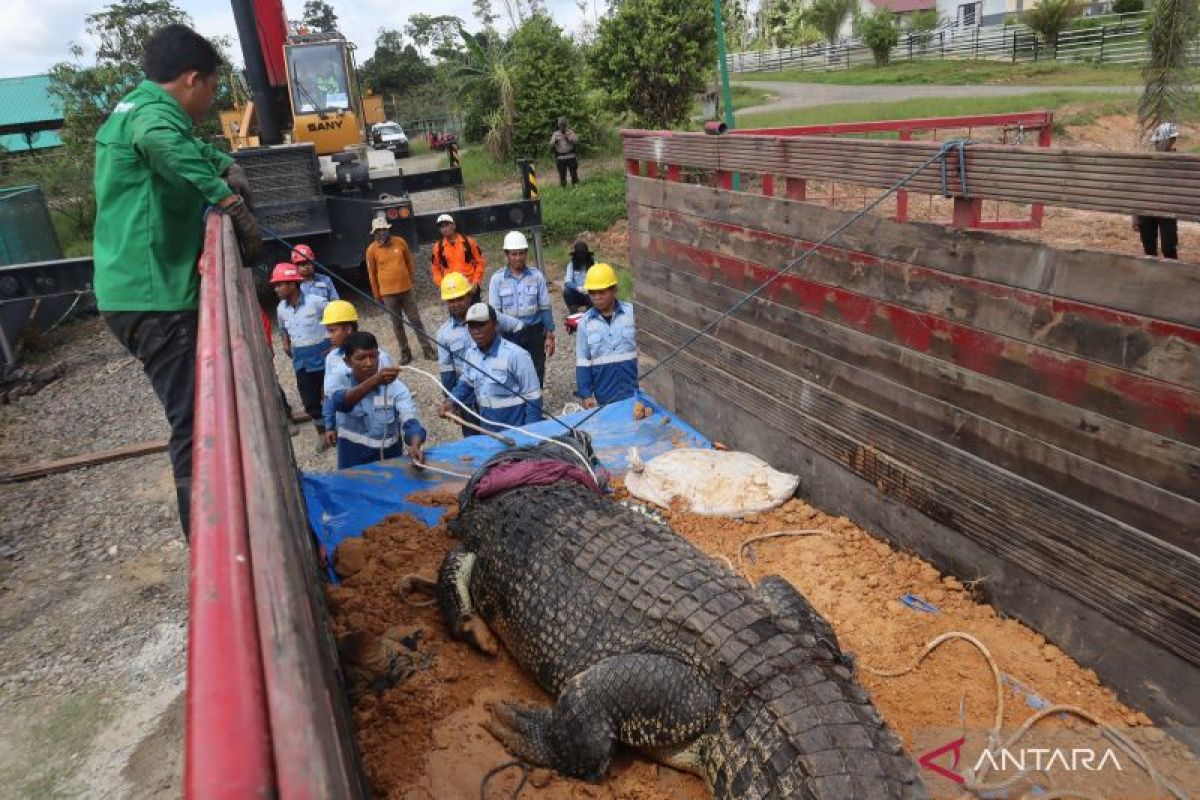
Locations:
(803, 95)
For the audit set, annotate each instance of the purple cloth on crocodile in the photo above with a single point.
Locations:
(513, 474)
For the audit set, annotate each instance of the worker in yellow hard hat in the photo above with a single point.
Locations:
(453, 338)
(606, 343)
(340, 319)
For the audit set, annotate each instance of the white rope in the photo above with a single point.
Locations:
(437, 382)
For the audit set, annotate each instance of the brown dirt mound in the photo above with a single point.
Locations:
(423, 738)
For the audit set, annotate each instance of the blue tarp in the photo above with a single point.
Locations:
(347, 502)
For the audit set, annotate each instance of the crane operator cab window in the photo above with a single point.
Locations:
(319, 79)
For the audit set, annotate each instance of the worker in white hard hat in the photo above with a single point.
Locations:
(455, 252)
(1152, 229)
(606, 343)
(520, 291)
(499, 378)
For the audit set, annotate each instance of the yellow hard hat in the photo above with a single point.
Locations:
(600, 276)
(337, 312)
(455, 285)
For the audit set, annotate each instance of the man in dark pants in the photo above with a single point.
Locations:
(520, 290)
(1152, 228)
(153, 181)
(565, 144)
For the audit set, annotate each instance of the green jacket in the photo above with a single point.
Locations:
(153, 180)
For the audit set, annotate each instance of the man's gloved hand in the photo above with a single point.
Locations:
(248, 233)
(239, 182)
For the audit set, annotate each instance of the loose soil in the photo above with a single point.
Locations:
(423, 738)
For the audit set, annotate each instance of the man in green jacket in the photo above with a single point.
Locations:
(154, 179)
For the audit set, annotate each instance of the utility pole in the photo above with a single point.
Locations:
(726, 92)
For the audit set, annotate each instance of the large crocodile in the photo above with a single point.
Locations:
(646, 641)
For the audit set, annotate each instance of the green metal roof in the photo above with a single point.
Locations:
(27, 105)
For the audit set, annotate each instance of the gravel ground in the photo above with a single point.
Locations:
(93, 593)
(93, 568)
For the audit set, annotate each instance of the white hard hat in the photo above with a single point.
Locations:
(380, 224)
(480, 312)
(444, 218)
(515, 240)
(1165, 131)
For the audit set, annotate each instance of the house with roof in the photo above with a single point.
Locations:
(30, 116)
(901, 8)
(980, 13)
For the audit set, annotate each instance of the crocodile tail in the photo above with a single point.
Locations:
(810, 733)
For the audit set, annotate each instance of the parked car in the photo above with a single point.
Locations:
(389, 136)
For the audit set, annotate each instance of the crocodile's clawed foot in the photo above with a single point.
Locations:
(476, 633)
(417, 583)
(518, 730)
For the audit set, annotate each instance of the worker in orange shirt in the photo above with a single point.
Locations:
(457, 252)
(390, 268)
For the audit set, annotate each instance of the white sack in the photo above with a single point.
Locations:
(712, 482)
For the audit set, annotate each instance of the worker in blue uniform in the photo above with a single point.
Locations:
(520, 291)
(304, 339)
(499, 376)
(340, 320)
(606, 343)
(453, 338)
(376, 415)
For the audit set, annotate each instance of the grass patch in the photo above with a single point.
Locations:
(594, 205)
(960, 73)
(56, 739)
(478, 167)
(922, 107)
(747, 96)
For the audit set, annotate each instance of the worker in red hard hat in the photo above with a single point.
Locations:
(305, 339)
(314, 282)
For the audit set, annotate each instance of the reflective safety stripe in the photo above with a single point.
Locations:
(612, 358)
(506, 402)
(367, 441)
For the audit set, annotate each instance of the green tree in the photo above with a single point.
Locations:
(924, 21)
(546, 71)
(484, 14)
(1051, 17)
(395, 67)
(319, 16)
(1173, 28)
(880, 34)
(87, 95)
(653, 56)
(828, 16)
(437, 32)
(482, 71)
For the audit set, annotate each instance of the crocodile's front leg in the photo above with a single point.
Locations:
(454, 601)
(648, 701)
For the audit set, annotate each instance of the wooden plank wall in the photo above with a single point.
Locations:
(997, 405)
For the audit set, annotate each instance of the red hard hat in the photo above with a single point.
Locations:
(286, 273)
(302, 252)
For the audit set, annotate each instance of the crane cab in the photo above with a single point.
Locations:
(321, 84)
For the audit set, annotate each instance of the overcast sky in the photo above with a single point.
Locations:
(38, 32)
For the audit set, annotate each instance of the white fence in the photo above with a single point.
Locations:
(1109, 39)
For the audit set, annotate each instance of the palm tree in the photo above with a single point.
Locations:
(484, 70)
(828, 16)
(1052, 17)
(1173, 27)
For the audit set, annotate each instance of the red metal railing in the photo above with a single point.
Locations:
(228, 750)
(968, 212)
(267, 715)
